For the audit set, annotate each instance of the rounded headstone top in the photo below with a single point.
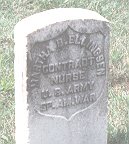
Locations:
(40, 20)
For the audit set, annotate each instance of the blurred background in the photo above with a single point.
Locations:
(117, 12)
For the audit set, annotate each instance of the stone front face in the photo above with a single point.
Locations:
(61, 69)
(67, 66)
(67, 72)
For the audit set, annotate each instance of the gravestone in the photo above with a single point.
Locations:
(61, 68)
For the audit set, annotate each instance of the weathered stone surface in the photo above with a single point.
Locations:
(61, 68)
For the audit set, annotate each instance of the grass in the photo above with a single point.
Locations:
(118, 114)
(117, 12)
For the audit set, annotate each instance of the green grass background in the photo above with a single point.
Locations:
(117, 12)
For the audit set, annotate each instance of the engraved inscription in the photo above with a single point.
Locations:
(68, 101)
(69, 77)
(68, 65)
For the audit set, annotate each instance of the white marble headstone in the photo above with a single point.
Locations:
(61, 69)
